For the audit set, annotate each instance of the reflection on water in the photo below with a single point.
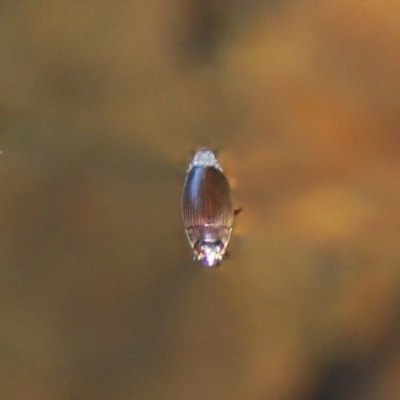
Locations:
(102, 105)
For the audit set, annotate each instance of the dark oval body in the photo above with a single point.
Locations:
(206, 199)
(207, 209)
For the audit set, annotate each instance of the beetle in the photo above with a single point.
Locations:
(207, 209)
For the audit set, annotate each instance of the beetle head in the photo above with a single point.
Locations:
(210, 253)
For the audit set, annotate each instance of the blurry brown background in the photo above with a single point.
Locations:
(102, 103)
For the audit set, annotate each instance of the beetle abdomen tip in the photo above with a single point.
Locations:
(204, 158)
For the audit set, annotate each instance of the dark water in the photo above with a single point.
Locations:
(101, 105)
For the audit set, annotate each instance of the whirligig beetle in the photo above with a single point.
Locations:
(207, 209)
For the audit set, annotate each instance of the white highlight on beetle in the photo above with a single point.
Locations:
(204, 158)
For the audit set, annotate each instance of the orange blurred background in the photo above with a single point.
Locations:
(102, 104)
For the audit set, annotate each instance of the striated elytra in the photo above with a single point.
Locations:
(207, 209)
